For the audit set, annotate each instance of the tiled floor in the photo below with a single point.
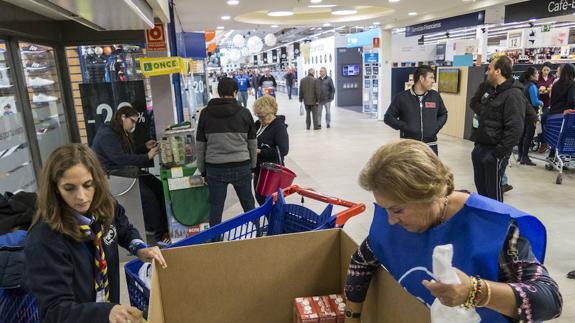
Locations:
(329, 161)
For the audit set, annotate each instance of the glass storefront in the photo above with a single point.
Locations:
(16, 167)
(45, 95)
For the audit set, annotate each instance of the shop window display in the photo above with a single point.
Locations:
(16, 170)
(45, 97)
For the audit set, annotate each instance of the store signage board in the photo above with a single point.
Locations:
(362, 39)
(161, 65)
(538, 9)
(156, 38)
(468, 20)
(371, 58)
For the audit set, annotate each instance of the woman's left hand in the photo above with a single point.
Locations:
(152, 253)
(151, 144)
(450, 295)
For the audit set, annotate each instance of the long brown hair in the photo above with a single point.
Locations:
(118, 126)
(53, 210)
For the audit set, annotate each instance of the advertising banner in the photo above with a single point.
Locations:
(161, 65)
(468, 20)
(539, 9)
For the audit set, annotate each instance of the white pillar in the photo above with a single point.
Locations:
(385, 73)
(481, 34)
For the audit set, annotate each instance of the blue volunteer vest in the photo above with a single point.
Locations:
(477, 232)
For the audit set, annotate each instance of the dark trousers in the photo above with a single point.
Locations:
(153, 205)
(526, 141)
(435, 149)
(312, 112)
(487, 171)
(259, 198)
(289, 90)
(218, 180)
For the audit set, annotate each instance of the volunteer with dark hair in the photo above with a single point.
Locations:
(529, 79)
(227, 149)
(418, 113)
(115, 147)
(497, 250)
(500, 128)
(273, 139)
(72, 264)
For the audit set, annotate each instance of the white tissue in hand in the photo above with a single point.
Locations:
(444, 272)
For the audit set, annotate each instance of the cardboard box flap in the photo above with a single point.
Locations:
(257, 280)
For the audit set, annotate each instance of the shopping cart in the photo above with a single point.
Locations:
(274, 217)
(18, 306)
(560, 135)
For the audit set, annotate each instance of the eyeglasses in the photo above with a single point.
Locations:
(262, 116)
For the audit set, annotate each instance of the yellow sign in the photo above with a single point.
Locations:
(161, 65)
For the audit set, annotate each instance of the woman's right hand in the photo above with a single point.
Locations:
(153, 152)
(125, 314)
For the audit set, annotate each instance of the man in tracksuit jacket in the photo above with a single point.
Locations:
(243, 81)
(501, 121)
(227, 149)
(418, 113)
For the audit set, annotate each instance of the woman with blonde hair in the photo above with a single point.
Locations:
(498, 250)
(72, 264)
(272, 135)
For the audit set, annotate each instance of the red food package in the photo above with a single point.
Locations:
(326, 314)
(305, 311)
(337, 304)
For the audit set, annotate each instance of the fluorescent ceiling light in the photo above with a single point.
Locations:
(413, 13)
(377, 23)
(392, 1)
(226, 17)
(280, 13)
(322, 6)
(233, 2)
(327, 24)
(343, 11)
(315, 1)
(220, 27)
(274, 26)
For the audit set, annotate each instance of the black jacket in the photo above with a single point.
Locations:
(60, 272)
(289, 77)
(226, 135)
(531, 111)
(273, 142)
(16, 211)
(502, 117)
(108, 147)
(562, 97)
(326, 90)
(414, 119)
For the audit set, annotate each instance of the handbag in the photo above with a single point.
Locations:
(301, 112)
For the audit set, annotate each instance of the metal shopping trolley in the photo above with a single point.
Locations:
(560, 135)
(274, 217)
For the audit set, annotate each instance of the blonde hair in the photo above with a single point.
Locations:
(407, 171)
(266, 105)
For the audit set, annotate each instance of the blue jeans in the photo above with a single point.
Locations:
(218, 180)
(289, 90)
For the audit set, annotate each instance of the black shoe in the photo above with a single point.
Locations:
(328, 125)
(307, 128)
(507, 188)
(527, 162)
(317, 128)
(571, 275)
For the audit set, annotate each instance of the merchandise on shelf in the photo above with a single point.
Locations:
(177, 147)
(321, 309)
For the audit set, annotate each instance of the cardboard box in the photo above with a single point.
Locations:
(257, 280)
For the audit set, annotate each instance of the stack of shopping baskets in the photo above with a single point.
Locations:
(560, 136)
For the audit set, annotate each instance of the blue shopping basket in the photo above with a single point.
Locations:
(560, 135)
(267, 220)
(18, 306)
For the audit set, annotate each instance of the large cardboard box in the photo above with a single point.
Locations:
(256, 281)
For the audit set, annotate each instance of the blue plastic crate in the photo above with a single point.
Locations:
(18, 306)
(266, 220)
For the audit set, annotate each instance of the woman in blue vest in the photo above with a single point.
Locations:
(497, 249)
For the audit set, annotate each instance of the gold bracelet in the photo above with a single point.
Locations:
(469, 302)
(488, 295)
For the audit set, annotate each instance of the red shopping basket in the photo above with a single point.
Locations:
(273, 177)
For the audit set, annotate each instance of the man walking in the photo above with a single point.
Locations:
(227, 149)
(327, 93)
(268, 83)
(309, 92)
(289, 77)
(243, 85)
(418, 113)
(501, 121)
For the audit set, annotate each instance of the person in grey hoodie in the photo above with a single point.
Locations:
(327, 93)
(227, 149)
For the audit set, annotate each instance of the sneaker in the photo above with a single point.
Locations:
(39, 82)
(328, 125)
(571, 275)
(4, 68)
(6, 86)
(43, 98)
(32, 49)
(35, 66)
(528, 162)
(507, 188)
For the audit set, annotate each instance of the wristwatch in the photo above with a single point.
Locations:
(353, 315)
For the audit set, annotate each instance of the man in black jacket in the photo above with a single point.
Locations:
(227, 149)
(501, 121)
(418, 113)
